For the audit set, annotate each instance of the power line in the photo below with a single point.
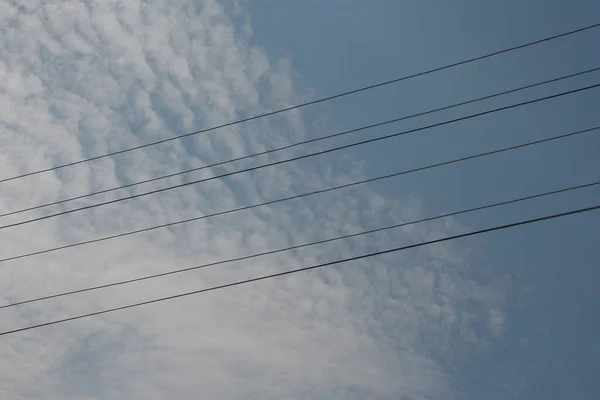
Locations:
(301, 143)
(354, 91)
(347, 185)
(281, 250)
(294, 271)
(363, 142)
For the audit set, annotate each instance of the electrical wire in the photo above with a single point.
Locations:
(289, 146)
(347, 185)
(363, 142)
(321, 100)
(281, 250)
(312, 267)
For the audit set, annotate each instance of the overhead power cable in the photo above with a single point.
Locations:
(321, 100)
(270, 202)
(281, 250)
(312, 267)
(289, 146)
(363, 142)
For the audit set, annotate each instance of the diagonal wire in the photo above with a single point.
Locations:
(363, 142)
(324, 99)
(312, 267)
(281, 250)
(347, 185)
(289, 146)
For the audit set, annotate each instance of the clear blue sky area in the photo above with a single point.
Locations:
(551, 347)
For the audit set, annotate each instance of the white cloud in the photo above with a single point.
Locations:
(83, 78)
(497, 322)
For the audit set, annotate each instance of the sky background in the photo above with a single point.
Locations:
(510, 314)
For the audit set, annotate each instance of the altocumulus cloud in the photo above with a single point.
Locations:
(80, 78)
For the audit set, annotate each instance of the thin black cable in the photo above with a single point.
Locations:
(365, 88)
(294, 271)
(135, 196)
(347, 185)
(57, 202)
(295, 247)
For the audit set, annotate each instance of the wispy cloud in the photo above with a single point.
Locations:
(80, 78)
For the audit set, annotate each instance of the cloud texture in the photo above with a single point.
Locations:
(81, 78)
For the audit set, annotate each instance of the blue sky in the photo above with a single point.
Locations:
(505, 315)
(335, 43)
